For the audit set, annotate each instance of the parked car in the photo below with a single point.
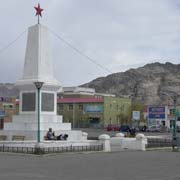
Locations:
(178, 128)
(142, 128)
(124, 128)
(116, 128)
(154, 129)
(111, 127)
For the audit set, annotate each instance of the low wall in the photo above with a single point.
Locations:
(108, 144)
(30, 147)
(120, 143)
(48, 143)
(73, 135)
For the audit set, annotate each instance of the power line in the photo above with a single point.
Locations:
(79, 51)
(12, 42)
(63, 40)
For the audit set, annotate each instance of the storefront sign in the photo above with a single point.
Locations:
(156, 112)
(2, 113)
(5, 99)
(136, 115)
(93, 108)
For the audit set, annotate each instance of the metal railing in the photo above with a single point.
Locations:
(176, 142)
(159, 142)
(47, 150)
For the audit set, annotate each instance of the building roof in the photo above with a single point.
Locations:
(80, 100)
(83, 90)
(76, 100)
(77, 89)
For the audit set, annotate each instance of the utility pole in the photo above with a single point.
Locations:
(38, 87)
(174, 138)
(73, 114)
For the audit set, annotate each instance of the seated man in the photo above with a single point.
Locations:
(50, 135)
(65, 136)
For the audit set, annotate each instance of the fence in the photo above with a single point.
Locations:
(46, 150)
(159, 142)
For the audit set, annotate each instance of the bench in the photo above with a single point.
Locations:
(18, 138)
(45, 137)
(3, 137)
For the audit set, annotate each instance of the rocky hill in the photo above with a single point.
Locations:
(8, 90)
(153, 84)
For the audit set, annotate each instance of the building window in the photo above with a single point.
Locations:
(70, 107)
(61, 107)
(5, 99)
(1, 123)
(122, 107)
(110, 107)
(110, 121)
(171, 112)
(80, 107)
(8, 106)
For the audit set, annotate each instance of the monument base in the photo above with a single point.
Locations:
(26, 125)
(32, 135)
(29, 122)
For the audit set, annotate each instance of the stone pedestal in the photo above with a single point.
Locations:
(26, 125)
(105, 139)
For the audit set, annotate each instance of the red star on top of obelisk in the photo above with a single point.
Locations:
(38, 11)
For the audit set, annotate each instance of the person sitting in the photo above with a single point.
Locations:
(62, 137)
(144, 128)
(65, 136)
(50, 135)
(132, 132)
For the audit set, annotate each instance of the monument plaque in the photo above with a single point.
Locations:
(47, 102)
(28, 101)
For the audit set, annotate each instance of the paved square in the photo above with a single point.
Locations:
(94, 166)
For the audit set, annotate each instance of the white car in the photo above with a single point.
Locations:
(154, 129)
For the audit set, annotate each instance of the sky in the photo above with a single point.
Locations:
(116, 34)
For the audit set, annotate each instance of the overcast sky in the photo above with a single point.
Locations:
(118, 34)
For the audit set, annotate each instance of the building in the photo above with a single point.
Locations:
(8, 108)
(171, 116)
(162, 115)
(83, 107)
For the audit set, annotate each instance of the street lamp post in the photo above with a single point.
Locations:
(73, 114)
(174, 124)
(38, 87)
(174, 137)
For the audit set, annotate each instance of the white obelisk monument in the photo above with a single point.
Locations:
(38, 67)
